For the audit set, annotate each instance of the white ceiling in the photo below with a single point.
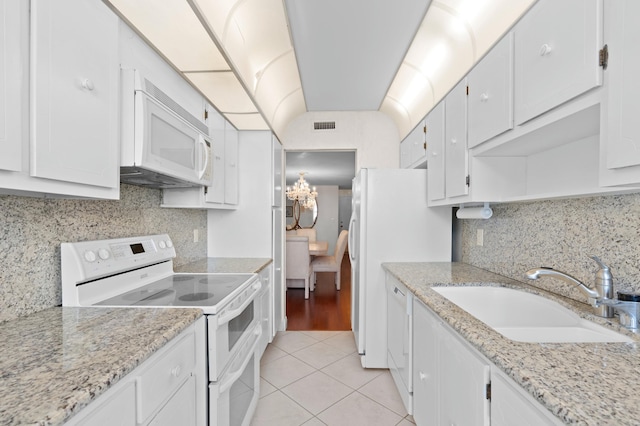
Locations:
(348, 51)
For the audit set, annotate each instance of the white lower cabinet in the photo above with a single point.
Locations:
(265, 298)
(399, 342)
(453, 384)
(169, 388)
(511, 405)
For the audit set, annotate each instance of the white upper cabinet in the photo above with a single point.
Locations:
(215, 193)
(456, 164)
(276, 165)
(490, 99)
(621, 133)
(435, 152)
(231, 170)
(74, 92)
(556, 54)
(413, 148)
(13, 82)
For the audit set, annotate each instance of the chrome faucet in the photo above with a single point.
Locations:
(603, 288)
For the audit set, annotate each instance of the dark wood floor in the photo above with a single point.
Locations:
(326, 308)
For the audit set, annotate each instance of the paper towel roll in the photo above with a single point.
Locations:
(475, 212)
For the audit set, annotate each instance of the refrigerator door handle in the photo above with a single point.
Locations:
(352, 238)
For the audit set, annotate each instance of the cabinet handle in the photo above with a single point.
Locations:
(422, 375)
(175, 371)
(87, 84)
(454, 141)
(434, 154)
(484, 97)
(545, 50)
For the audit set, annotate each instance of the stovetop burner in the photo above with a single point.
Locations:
(194, 297)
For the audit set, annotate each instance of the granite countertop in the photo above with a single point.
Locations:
(580, 383)
(55, 362)
(250, 265)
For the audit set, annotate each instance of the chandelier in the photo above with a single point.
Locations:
(302, 193)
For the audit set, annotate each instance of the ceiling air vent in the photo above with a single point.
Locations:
(324, 125)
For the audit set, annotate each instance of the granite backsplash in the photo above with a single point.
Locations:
(561, 234)
(31, 230)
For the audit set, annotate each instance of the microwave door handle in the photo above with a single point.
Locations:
(229, 315)
(205, 163)
(232, 377)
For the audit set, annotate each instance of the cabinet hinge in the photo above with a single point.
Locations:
(604, 57)
(468, 180)
(425, 146)
(467, 90)
(424, 129)
(487, 391)
(206, 114)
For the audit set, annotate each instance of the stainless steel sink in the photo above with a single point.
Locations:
(526, 317)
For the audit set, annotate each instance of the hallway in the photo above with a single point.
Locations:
(315, 378)
(326, 308)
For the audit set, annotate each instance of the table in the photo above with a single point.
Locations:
(318, 248)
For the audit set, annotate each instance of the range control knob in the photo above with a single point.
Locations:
(89, 256)
(104, 254)
(162, 244)
(169, 243)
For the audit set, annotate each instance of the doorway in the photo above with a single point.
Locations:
(331, 172)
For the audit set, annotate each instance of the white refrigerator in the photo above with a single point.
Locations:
(390, 222)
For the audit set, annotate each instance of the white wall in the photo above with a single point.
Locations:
(246, 231)
(372, 134)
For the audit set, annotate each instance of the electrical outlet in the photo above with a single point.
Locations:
(480, 237)
(196, 237)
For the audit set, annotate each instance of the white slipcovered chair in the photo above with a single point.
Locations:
(298, 260)
(331, 263)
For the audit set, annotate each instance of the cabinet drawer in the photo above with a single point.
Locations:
(160, 380)
(556, 54)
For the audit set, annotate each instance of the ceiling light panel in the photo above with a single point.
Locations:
(225, 89)
(247, 121)
(171, 26)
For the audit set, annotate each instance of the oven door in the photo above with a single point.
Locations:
(228, 331)
(234, 398)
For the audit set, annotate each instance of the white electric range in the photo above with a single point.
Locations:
(138, 272)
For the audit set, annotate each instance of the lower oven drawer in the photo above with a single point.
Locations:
(158, 382)
(234, 398)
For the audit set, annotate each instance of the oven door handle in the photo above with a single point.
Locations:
(231, 377)
(229, 315)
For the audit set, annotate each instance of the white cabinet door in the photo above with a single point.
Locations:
(556, 54)
(435, 152)
(490, 99)
(215, 193)
(13, 82)
(425, 366)
(180, 409)
(510, 405)
(456, 164)
(74, 92)
(231, 165)
(622, 31)
(399, 338)
(412, 148)
(463, 381)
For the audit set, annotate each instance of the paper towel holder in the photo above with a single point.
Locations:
(474, 212)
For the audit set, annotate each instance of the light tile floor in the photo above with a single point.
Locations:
(315, 378)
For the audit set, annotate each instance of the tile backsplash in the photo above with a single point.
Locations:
(561, 234)
(31, 230)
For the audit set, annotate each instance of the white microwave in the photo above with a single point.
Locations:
(162, 144)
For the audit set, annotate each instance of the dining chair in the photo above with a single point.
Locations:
(330, 263)
(298, 261)
(308, 232)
